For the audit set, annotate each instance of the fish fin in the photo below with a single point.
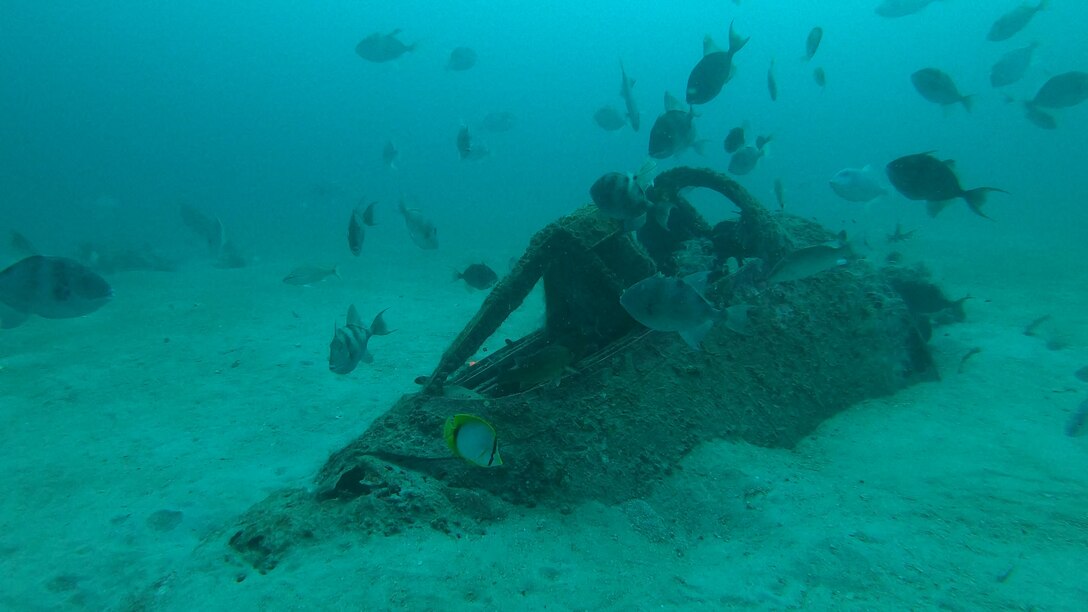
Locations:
(934, 207)
(379, 327)
(698, 281)
(968, 102)
(709, 46)
(975, 198)
(736, 319)
(644, 175)
(353, 317)
(672, 103)
(661, 213)
(736, 41)
(694, 337)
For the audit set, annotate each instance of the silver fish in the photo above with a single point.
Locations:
(674, 304)
(857, 184)
(810, 261)
(51, 288)
(1015, 20)
(627, 86)
(745, 160)
(305, 276)
(420, 228)
(349, 343)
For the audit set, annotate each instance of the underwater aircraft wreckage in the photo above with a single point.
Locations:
(630, 403)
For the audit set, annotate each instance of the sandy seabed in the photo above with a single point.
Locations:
(133, 437)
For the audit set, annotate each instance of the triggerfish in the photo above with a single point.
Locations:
(472, 439)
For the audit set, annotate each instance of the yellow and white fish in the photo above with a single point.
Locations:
(472, 439)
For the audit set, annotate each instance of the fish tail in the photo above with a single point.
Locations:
(736, 41)
(975, 198)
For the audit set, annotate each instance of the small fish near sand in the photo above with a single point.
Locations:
(478, 276)
(380, 48)
(361, 218)
(305, 276)
(421, 230)
(547, 365)
(924, 177)
(937, 87)
(349, 343)
(472, 439)
(51, 288)
(675, 304)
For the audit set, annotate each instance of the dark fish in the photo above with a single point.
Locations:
(901, 8)
(546, 365)
(734, 139)
(772, 83)
(938, 87)
(1012, 22)
(609, 119)
(812, 43)
(923, 298)
(714, 70)
(304, 276)
(361, 217)
(820, 77)
(1040, 118)
(1075, 426)
(461, 59)
(478, 276)
(390, 154)
(763, 140)
(498, 121)
(381, 48)
(627, 86)
(924, 177)
(50, 287)
(780, 194)
(673, 131)
(349, 343)
(623, 197)
(469, 147)
(423, 233)
(1011, 67)
(1082, 374)
(1062, 91)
